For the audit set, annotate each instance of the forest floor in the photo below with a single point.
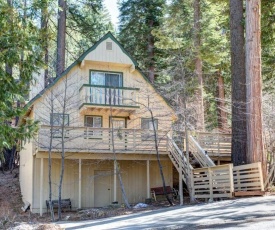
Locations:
(13, 217)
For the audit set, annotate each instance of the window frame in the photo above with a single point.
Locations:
(106, 72)
(57, 128)
(92, 134)
(147, 134)
(62, 114)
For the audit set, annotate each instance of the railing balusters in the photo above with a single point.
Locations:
(104, 95)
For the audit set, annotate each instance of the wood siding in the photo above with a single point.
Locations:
(133, 176)
(26, 172)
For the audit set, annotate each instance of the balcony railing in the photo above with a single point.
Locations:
(86, 139)
(108, 96)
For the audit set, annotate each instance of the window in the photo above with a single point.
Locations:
(148, 129)
(105, 88)
(146, 123)
(109, 46)
(106, 79)
(57, 120)
(92, 122)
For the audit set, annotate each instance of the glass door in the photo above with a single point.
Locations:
(114, 93)
(98, 94)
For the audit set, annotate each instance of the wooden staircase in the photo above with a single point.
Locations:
(178, 159)
(199, 154)
(210, 181)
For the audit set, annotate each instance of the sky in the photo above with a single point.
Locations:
(111, 5)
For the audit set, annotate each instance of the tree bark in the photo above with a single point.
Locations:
(255, 148)
(198, 63)
(222, 117)
(151, 68)
(44, 26)
(239, 134)
(61, 37)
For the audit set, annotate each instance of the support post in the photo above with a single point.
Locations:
(231, 178)
(79, 182)
(115, 184)
(210, 184)
(41, 185)
(148, 179)
(180, 188)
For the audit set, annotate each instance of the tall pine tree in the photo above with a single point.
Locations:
(137, 21)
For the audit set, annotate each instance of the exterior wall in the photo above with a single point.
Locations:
(26, 172)
(44, 105)
(116, 55)
(133, 175)
(78, 76)
(70, 182)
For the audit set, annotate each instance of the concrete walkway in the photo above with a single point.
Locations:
(247, 213)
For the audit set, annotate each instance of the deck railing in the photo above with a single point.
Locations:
(87, 139)
(213, 182)
(216, 144)
(104, 95)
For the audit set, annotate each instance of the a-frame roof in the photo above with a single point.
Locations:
(82, 57)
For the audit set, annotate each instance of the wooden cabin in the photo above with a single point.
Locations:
(102, 104)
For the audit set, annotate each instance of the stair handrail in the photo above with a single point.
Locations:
(202, 157)
(180, 153)
(178, 156)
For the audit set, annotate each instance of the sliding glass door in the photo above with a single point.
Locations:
(110, 94)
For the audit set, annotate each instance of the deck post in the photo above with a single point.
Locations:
(79, 182)
(41, 185)
(180, 188)
(210, 183)
(261, 175)
(148, 178)
(231, 179)
(115, 186)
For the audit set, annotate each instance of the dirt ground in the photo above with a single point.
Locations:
(12, 216)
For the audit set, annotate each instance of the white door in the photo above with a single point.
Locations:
(102, 188)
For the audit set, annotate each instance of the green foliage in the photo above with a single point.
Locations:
(137, 20)
(268, 45)
(176, 36)
(87, 23)
(20, 52)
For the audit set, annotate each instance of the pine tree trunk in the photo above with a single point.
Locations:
(61, 37)
(151, 68)
(44, 27)
(239, 134)
(222, 118)
(255, 149)
(198, 63)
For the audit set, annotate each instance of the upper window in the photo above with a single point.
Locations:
(106, 79)
(109, 46)
(57, 119)
(146, 123)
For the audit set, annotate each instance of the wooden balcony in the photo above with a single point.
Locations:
(104, 97)
(217, 145)
(99, 140)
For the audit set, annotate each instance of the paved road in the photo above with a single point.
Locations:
(245, 214)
